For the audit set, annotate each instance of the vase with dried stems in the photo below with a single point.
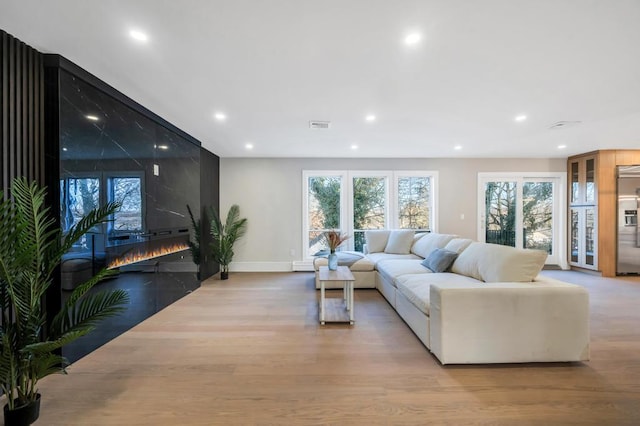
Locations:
(334, 240)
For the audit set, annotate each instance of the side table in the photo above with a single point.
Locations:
(343, 275)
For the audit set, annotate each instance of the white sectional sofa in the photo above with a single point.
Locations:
(488, 306)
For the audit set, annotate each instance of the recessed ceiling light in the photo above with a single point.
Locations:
(370, 117)
(412, 39)
(220, 116)
(562, 146)
(138, 35)
(457, 147)
(91, 117)
(354, 147)
(164, 147)
(249, 146)
(64, 148)
(521, 117)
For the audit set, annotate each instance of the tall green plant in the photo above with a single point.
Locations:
(225, 236)
(31, 247)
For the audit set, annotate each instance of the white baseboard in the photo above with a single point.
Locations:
(303, 266)
(260, 267)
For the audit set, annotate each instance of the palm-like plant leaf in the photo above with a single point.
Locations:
(89, 311)
(30, 249)
(225, 235)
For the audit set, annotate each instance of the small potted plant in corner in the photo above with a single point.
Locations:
(30, 250)
(225, 236)
(194, 244)
(334, 239)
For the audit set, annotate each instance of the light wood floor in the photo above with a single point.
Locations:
(250, 351)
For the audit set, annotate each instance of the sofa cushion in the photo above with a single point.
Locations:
(378, 257)
(416, 288)
(497, 263)
(400, 241)
(458, 244)
(376, 240)
(425, 245)
(392, 269)
(439, 260)
(354, 260)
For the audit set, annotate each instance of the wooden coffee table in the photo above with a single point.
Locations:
(328, 310)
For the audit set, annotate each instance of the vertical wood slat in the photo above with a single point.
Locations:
(4, 119)
(21, 112)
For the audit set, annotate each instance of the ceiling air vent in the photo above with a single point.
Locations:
(319, 124)
(563, 124)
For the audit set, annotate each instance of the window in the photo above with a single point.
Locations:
(78, 196)
(324, 207)
(355, 201)
(414, 202)
(128, 192)
(369, 198)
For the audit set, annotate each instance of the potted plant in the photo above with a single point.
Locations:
(225, 236)
(194, 244)
(31, 248)
(334, 239)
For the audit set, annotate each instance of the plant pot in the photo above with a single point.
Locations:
(224, 275)
(24, 415)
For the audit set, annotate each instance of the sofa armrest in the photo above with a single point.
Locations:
(509, 322)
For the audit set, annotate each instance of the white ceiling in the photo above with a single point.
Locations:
(272, 66)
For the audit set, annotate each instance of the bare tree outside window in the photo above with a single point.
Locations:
(413, 202)
(128, 192)
(78, 196)
(537, 214)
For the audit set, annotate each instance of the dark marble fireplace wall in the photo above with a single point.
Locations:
(96, 131)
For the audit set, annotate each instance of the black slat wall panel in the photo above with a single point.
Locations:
(21, 112)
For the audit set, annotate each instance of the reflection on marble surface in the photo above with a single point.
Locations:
(148, 292)
(111, 152)
(100, 138)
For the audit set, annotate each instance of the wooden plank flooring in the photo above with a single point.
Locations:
(250, 351)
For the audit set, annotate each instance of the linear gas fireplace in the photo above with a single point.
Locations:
(145, 249)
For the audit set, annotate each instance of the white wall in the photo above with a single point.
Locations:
(269, 193)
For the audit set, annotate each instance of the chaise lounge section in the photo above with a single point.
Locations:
(484, 304)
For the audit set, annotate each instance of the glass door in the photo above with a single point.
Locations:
(522, 212)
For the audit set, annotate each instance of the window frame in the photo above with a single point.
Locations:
(306, 174)
(101, 194)
(109, 197)
(433, 182)
(347, 206)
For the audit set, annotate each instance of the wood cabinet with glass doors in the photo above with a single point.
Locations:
(583, 211)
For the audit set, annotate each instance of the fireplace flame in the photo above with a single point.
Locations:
(134, 257)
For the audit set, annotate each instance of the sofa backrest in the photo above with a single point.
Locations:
(496, 263)
(394, 241)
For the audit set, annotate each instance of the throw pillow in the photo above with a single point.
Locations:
(508, 264)
(425, 245)
(440, 260)
(458, 244)
(400, 241)
(496, 263)
(376, 240)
